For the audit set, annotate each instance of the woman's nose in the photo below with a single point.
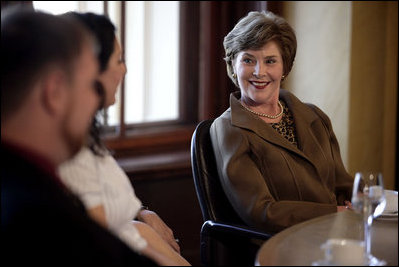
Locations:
(124, 69)
(259, 70)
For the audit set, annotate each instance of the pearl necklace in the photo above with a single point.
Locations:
(263, 114)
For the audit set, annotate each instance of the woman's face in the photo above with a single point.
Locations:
(112, 76)
(259, 73)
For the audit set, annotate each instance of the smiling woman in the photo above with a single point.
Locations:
(277, 157)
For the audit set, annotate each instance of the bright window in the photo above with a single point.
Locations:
(152, 61)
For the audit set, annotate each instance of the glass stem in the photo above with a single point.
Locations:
(368, 220)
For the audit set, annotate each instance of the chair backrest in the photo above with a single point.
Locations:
(211, 196)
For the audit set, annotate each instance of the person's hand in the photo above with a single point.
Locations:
(341, 208)
(348, 206)
(153, 220)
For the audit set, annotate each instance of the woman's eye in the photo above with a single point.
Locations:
(270, 61)
(247, 60)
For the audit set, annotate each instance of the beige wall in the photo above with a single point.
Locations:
(321, 70)
(347, 65)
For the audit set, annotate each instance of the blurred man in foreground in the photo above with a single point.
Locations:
(47, 103)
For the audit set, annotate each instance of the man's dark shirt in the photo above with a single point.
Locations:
(43, 223)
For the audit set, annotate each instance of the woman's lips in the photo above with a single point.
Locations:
(259, 85)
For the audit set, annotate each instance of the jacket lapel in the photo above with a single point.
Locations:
(303, 117)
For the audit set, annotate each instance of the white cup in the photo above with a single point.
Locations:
(391, 197)
(344, 252)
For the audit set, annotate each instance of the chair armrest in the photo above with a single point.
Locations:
(225, 244)
(210, 227)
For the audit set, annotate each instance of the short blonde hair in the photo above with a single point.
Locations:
(254, 31)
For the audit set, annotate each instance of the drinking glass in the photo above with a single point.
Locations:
(368, 199)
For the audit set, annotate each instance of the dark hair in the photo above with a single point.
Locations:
(32, 42)
(255, 30)
(104, 31)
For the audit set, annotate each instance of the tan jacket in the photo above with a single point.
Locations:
(271, 183)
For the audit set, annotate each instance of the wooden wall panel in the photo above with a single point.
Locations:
(174, 199)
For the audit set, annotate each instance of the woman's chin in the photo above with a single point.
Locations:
(109, 103)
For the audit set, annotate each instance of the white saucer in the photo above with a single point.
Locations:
(388, 216)
(372, 261)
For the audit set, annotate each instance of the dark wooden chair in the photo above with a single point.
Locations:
(225, 238)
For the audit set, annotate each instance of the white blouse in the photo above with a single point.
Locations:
(98, 181)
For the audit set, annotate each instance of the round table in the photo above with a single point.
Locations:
(300, 244)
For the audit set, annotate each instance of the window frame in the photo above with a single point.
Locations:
(141, 138)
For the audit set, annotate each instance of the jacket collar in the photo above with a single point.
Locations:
(303, 117)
